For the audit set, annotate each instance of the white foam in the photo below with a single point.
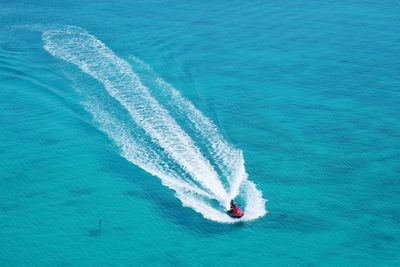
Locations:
(84, 50)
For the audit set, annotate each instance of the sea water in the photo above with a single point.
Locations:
(127, 126)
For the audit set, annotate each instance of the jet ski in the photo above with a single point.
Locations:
(235, 211)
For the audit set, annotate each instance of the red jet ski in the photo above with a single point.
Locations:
(235, 211)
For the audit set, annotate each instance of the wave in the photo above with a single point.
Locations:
(163, 133)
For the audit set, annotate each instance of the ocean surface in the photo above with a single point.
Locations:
(127, 126)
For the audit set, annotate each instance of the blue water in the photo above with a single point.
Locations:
(127, 126)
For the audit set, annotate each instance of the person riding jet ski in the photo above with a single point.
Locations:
(235, 211)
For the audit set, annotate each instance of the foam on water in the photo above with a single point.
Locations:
(163, 147)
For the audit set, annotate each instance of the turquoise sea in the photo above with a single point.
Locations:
(126, 127)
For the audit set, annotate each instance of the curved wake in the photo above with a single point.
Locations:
(165, 135)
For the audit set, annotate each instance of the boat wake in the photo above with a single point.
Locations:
(158, 129)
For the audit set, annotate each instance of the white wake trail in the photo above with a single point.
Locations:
(97, 60)
(76, 46)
